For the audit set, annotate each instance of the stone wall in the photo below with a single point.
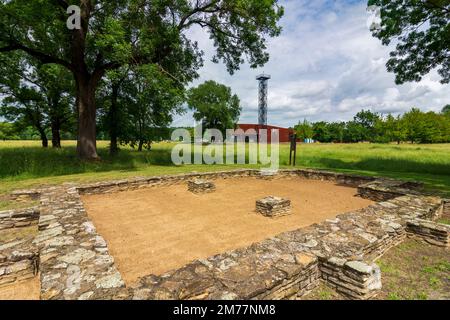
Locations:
(19, 218)
(256, 272)
(446, 207)
(386, 189)
(31, 194)
(270, 269)
(75, 262)
(432, 232)
(74, 259)
(142, 182)
(18, 261)
(353, 279)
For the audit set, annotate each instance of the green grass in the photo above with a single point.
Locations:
(17, 233)
(444, 221)
(12, 204)
(415, 270)
(25, 164)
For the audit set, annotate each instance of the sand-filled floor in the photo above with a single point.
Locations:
(154, 230)
(25, 290)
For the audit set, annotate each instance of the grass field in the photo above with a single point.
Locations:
(25, 164)
(413, 270)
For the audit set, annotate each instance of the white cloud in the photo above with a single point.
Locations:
(325, 66)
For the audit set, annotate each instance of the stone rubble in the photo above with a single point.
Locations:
(354, 279)
(18, 261)
(432, 232)
(74, 258)
(198, 186)
(19, 218)
(75, 263)
(272, 206)
(386, 189)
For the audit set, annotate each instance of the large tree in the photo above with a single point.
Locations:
(139, 106)
(446, 110)
(214, 105)
(114, 33)
(421, 31)
(367, 120)
(36, 95)
(304, 130)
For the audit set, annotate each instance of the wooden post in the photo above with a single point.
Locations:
(293, 149)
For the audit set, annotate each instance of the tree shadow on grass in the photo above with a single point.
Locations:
(40, 162)
(386, 165)
(435, 176)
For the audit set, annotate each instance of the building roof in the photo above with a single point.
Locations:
(254, 125)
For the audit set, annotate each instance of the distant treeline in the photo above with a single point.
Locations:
(11, 131)
(413, 126)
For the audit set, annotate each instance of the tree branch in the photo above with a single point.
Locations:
(42, 57)
(196, 10)
(63, 4)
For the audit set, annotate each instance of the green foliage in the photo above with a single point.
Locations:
(426, 127)
(414, 126)
(214, 105)
(354, 132)
(392, 129)
(150, 99)
(446, 110)
(24, 163)
(421, 31)
(122, 33)
(36, 95)
(8, 131)
(366, 122)
(304, 130)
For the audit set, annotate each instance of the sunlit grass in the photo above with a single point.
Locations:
(25, 164)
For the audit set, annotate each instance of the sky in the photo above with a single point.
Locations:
(325, 66)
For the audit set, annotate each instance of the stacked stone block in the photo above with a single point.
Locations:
(18, 261)
(199, 186)
(432, 232)
(273, 206)
(386, 189)
(19, 218)
(446, 207)
(75, 262)
(354, 279)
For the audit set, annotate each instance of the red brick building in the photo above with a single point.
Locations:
(282, 132)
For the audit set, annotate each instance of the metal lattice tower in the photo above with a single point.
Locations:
(263, 88)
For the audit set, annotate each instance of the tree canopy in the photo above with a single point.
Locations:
(413, 126)
(421, 32)
(116, 33)
(446, 109)
(214, 105)
(304, 130)
(36, 95)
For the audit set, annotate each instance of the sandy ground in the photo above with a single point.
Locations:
(28, 289)
(151, 231)
(25, 290)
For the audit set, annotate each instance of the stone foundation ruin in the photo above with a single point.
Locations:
(74, 262)
(273, 206)
(199, 186)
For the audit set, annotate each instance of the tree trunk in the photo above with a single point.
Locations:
(113, 125)
(141, 144)
(87, 144)
(56, 136)
(43, 138)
